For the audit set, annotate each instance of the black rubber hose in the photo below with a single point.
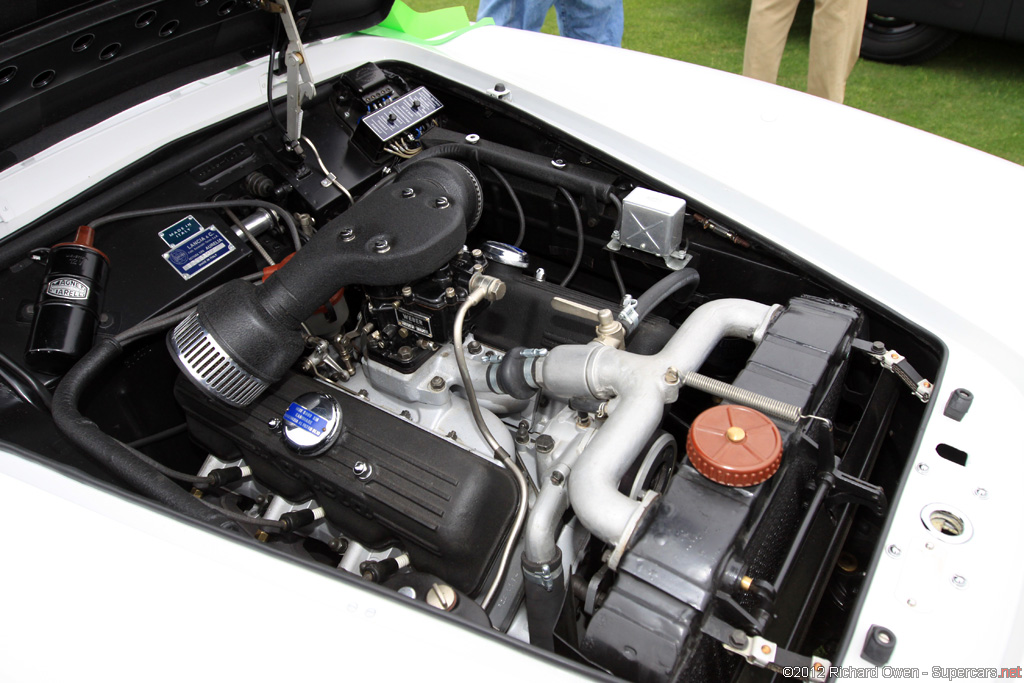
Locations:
(574, 177)
(111, 453)
(617, 274)
(63, 221)
(664, 288)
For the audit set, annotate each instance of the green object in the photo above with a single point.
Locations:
(428, 28)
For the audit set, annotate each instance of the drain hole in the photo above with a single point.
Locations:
(226, 8)
(82, 42)
(145, 19)
(7, 73)
(44, 79)
(951, 454)
(110, 51)
(946, 523)
(168, 28)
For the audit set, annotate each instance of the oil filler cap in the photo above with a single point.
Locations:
(734, 445)
(311, 423)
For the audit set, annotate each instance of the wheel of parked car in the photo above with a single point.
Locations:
(899, 41)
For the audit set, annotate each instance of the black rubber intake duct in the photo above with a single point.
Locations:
(246, 336)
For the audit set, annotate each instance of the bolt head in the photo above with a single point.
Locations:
(347, 235)
(382, 246)
(558, 163)
(362, 470)
(408, 193)
(437, 383)
(893, 550)
(545, 444)
(474, 347)
(441, 203)
(883, 637)
(923, 467)
(557, 478)
(274, 424)
(959, 581)
(738, 638)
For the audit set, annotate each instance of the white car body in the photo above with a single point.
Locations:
(927, 228)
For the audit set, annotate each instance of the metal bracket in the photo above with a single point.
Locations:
(766, 654)
(849, 489)
(300, 80)
(897, 364)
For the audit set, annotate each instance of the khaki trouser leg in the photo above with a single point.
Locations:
(836, 31)
(767, 29)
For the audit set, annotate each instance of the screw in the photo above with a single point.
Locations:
(545, 444)
(557, 478)
(882, 637)
(474, 347)
(523, 433)
(981, 493)
(476, 253)
(738, 638)
(912, 602)
(338, 545)
(405, 353)
(382, 246)
(558, 163)
(347, 235)
(274, 424)
(539, 275)
(406, 414)
(441, 203)
(362, 470)
(442, 596)
(472, 138)
(672, 376)
(437, 383)
(893, 550)
(364, 393)
(408, 193)
(959, 581)
(923, 468)
(449, 293)
(407, 292)
(877, 347)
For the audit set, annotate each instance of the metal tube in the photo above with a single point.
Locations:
(640, 385)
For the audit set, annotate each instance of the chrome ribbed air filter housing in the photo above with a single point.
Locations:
(209, 366)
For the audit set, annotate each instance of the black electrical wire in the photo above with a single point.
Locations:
(270, 77)
(617, 275)
(579, 237)
(18, 389)
(515, 202)
(286, 217)
(159, 436)
(20, 379)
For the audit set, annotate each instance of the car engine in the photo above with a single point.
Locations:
(442, 348)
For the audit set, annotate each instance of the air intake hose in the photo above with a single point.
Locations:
(245, 337)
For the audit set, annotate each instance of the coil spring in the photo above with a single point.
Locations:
(768, 406)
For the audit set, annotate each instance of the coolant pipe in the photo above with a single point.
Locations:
(636, 387)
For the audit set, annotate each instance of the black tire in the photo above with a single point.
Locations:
(899, 41)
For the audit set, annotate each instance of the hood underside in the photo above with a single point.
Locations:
(88, 60)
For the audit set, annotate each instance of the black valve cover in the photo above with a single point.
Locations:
(449, 509)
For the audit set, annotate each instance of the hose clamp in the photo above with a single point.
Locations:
(628, 315)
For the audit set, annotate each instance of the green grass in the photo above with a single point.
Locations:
(972, 93)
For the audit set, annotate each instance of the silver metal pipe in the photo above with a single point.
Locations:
(482, 287)
(638, 387)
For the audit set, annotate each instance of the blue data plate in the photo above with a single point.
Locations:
(180, 231)
(199, 252)
(304, 418)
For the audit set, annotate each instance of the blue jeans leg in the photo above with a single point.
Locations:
(597, 21)
(522, 14)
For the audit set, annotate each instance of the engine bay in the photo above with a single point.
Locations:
(437, 346)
